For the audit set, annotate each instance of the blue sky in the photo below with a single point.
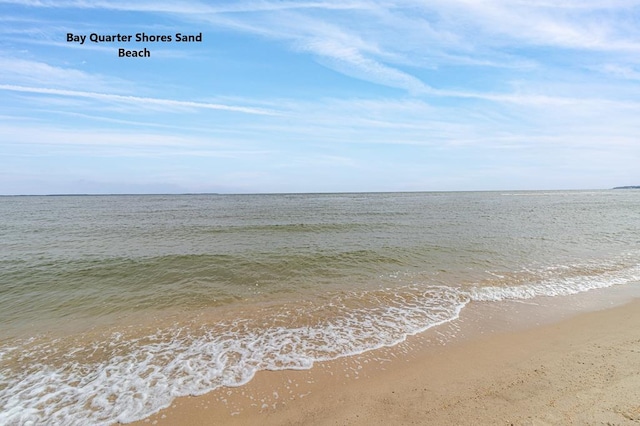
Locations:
(320, 96)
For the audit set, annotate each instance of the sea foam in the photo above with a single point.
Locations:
(122, 378)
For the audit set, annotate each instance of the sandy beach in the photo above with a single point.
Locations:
(545, 366)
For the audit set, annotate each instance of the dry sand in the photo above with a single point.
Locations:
(582, 370)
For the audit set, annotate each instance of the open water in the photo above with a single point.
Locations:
(112, 306)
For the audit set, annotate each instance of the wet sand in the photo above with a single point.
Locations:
(497, 365)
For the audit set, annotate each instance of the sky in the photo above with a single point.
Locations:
(319, 96)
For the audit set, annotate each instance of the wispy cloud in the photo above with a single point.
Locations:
(17, 71)
(391, 43)
(143, 101)
(352, 62)
(621, 71)
(53, 141)
(384, 42)
(192, 7)
(499, 88)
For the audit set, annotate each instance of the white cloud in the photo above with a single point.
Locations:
(16, 71)
(376, 41)
(621, 71)
(351, 62)
(38, 134)
(192, 7)
(136, 100)
(43, 140)
(523, 83)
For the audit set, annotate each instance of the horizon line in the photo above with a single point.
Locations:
(307, 193)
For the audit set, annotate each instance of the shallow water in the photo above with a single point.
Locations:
(114, 305)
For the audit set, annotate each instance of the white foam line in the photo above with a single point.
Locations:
(145, 377)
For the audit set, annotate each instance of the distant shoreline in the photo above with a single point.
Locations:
(97, 194)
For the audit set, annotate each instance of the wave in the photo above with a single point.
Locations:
(127, 375)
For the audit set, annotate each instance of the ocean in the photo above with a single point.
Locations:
(113, 306)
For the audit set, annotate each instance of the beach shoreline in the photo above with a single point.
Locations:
(566, 360)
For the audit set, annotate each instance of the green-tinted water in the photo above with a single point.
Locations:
(276, 280)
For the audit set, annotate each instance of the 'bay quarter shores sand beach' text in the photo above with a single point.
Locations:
(134, 38)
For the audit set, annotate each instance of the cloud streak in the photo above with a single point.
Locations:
(296, 90)
(385, 42)
(142, 101)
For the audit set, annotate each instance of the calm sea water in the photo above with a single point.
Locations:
(112, 306)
